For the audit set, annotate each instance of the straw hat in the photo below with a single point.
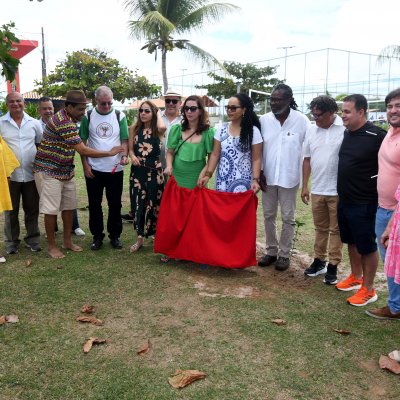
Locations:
(76, 97)
(171, 93)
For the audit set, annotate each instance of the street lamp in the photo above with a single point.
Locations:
(286, 49)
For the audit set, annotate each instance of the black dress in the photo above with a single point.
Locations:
(146, 183)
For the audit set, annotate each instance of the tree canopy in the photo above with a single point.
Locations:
(158, 21)
(247, 76)
(88, 69)
(9, 64)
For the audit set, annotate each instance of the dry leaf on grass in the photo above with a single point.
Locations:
(60, 266)
(144, 348)
(279, 321)
(342, 331)
(12, 319)
(90, 342)
(87, 309)
(28, 263)
(183, 378)
(91, 320)
(386, 362)
(2, 319)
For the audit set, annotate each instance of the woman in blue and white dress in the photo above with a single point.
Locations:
(237, 149)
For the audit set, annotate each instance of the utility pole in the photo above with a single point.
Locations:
(286, 49)
(44, 72)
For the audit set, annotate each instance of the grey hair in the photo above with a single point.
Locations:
(9, 94)
(103, 90)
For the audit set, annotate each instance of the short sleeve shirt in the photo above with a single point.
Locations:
(55, 155)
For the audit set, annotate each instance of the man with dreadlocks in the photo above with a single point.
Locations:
(283, 130)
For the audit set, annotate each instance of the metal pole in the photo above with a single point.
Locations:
(183, 75)
(327, 71)
(304, 79)
(44, 72)
(348, 72)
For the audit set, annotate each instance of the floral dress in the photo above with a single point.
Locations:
(235, 167)
(146, 183)
(392, 259)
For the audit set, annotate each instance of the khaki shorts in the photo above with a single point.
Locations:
(55, 195)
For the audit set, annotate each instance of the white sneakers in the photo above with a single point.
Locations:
(79, 232)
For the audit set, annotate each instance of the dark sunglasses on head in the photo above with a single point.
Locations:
(106, 103)
(144, 110)
(173, 101)
(191, 108)
(232, 108)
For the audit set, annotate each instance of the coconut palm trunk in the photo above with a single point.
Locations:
(164, 69)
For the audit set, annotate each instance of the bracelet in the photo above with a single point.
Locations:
(208, 173)
(256, 179)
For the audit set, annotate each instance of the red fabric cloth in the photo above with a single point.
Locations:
(207, 227)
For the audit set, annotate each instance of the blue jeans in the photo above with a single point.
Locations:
(394, 295)
(382, 218)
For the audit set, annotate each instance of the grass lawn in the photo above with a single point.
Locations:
(214, 320)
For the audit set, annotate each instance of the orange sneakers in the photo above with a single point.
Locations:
(363, 297)
(350, 283)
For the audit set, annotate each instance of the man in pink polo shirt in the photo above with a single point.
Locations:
(388, 180)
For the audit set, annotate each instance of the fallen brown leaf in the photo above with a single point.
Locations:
(60, 266)
(386, 362)
(2, 319)
(91, 320)
(279, 321)
(87, 309)
(342, 331)
(183, 378)
(12, 319)
(28, 263)
(90, 342)
(144, 348)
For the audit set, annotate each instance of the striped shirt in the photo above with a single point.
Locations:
(55, 154)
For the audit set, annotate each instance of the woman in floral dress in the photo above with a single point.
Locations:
(146, 181)
(237, 149)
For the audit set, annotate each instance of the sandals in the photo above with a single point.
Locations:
(164, 259)
(137, 246)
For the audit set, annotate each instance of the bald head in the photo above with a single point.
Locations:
(15, 104)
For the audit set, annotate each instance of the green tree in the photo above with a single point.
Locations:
(157, 21)
(88, 69)
(9, 64)
(390, 51)
(247, 76)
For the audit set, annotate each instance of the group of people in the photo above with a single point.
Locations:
(354, 168)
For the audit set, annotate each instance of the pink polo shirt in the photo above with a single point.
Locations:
(389, 169)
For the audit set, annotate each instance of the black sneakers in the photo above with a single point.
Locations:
(318, 267)
(331, 275)
(282, 264)
(127, 218)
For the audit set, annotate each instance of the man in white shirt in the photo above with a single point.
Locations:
(102, 129)
(321, 157)
(170, 116)
(21, 133)
(283, 130)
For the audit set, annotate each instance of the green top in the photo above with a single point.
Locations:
(191, 157)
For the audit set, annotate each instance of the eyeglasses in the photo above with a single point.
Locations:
(317, 116)
(191, 108)
(144, 110)
(232, 108)
(173, 101)
(106, 103)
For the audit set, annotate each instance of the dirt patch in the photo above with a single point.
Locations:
(239, 292)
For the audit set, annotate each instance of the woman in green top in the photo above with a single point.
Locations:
(189, 144)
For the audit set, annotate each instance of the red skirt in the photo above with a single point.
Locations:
(207, 226)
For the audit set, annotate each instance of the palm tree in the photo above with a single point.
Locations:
(158, 20)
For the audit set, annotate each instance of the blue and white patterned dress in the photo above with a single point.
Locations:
(234, 173)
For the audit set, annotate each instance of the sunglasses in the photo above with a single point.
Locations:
(144, 110)
(191, 108)
(106, 103)
(317, 116)
(232, 108)
(173, 101)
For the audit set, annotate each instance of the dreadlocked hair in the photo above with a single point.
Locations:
(288, 93)
(248, 121)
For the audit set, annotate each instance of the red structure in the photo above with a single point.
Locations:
(18, 51)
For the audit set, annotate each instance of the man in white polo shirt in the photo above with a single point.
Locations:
(283, 130)
(321, 157)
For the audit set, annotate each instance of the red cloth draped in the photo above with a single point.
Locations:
(207, 227)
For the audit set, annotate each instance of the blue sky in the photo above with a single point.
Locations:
(251, 34)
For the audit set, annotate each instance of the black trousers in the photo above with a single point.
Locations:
(112, 183)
